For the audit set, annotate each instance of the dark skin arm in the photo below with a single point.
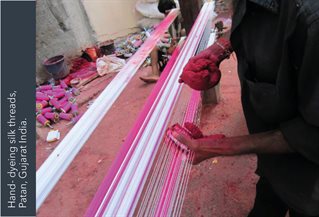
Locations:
(271, 142)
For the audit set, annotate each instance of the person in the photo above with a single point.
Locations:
(277, 45)
(160, 54)
(159, 58)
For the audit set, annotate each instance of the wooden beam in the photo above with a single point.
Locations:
(190, 10)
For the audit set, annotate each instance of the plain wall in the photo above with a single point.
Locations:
(62, 28)
(112, 18)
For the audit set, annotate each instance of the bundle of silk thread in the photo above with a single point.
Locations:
(168, 182)
(202, 71)
(154, 181)
(167, 185)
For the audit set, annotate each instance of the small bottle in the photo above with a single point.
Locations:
(44, 87)
(55, 103)
(74, 109)
(53, 116)
(45, 110)
(57, 90)
(75, 91)
(42, 120)
(48, 92)
(63, 100)
(58, 94)
(63, 84)
(41, 96)
(75, 120)
(42, 104)
(66, 107)
(66, 116)
(70, 96)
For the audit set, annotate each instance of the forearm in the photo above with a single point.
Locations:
(271, 142)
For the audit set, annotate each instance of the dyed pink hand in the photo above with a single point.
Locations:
(204, 148)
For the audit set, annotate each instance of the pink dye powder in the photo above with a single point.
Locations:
(202, 71)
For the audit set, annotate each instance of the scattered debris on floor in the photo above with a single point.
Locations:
(109, 64)
(127, 46)
(53, 136)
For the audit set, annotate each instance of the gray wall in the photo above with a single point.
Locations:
(62, 28)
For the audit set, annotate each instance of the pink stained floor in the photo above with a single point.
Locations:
(223, 187)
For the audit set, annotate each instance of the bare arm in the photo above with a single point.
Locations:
(271, 142)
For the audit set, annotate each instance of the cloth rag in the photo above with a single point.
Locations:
(202, 71)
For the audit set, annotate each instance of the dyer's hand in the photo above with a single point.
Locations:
(203, 148)
(271, 142)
